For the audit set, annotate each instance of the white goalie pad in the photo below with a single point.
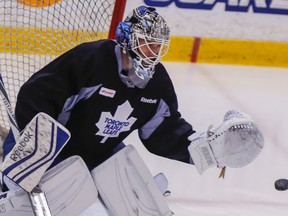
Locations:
(15, 203)
(69, 189)
(235, 143)
(127, 187)
(39, 144)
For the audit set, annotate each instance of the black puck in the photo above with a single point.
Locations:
(281, 184)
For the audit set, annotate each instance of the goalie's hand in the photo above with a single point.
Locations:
(37, 147)
(235, 143)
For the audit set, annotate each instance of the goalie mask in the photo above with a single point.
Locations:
(144, 36)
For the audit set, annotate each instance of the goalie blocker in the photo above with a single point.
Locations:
(37, 147)
(235, 143)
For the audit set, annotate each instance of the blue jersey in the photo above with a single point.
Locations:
(82, 89)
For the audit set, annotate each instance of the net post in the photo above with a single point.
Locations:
(117, 17)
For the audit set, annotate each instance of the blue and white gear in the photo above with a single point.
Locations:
(144, 28)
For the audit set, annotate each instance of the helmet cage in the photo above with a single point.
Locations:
(156, 48)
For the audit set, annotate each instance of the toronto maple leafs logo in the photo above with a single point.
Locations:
(110, 126)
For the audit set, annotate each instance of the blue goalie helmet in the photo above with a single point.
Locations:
(144, 35)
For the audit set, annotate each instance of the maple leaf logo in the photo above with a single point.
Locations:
(110, 126)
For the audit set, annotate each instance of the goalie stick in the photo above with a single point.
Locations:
(36, 195)
(9, 109)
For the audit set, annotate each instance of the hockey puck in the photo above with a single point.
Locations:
(281, 184)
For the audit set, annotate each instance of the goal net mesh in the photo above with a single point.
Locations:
(34, 32)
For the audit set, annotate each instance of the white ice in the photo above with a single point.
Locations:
(205, 93)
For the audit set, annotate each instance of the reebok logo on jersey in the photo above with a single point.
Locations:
(151, 101)
(107, 92)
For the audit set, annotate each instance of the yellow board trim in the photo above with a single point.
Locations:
(224, 51)
(180, 49)
(56, 41)
(43, 41)
(243, 52)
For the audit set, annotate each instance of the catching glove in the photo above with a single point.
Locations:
(235, 143)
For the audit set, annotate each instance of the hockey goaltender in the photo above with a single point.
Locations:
(103, 90)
